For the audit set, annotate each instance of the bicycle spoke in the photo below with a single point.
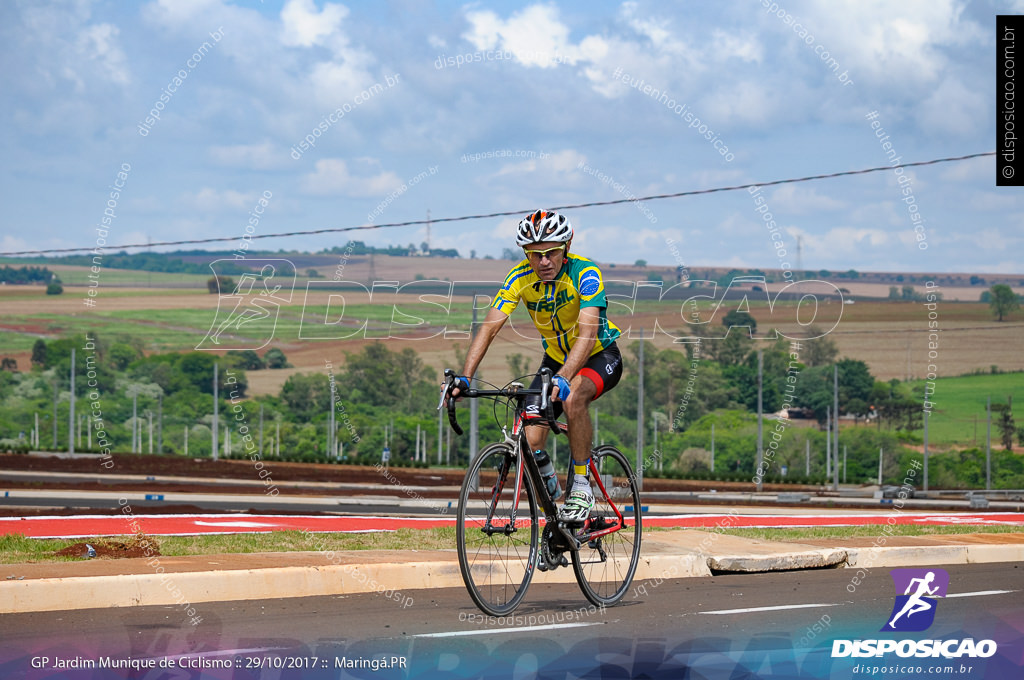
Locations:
(605, 565)
(496, 566)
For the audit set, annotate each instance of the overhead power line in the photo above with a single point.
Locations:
(507, 213)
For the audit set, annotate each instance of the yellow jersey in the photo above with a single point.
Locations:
(555, 305)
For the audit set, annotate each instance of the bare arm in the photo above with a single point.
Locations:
(588, 322)
(492, 323)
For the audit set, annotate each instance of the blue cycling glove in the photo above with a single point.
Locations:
(563, 387)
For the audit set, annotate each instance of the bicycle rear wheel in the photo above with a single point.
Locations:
(497, 556)
(605, 566)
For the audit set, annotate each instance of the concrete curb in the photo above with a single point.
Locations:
(394, 581)
(810, 559)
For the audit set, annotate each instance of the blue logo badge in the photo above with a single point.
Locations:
(914, 610)
(590, 282)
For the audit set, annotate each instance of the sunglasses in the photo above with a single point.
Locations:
(538, 255)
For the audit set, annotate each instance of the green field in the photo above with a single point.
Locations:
(959, 413)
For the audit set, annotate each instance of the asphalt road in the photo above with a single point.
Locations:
(759, 625)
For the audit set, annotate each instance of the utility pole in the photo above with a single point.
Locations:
(261, 431)
(807, 455)
(828, 443)
(440, 433)
(926, 451)
(988, 444)
(879, 466)
(712, 447)
(639, 472)
(160, 422)
(55, 415)
(215, 431)
(136, 443)
(835, 413)
(759, 472)
(186, 441)
(71, 409)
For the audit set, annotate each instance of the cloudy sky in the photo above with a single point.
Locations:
(487, 107)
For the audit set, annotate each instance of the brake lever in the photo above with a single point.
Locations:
(545, 399)
(449, 380)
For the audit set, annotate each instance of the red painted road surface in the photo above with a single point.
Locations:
(188, 525)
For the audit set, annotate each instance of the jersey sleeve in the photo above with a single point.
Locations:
(507, 297)
(590, 284)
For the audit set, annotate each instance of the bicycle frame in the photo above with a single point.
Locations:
(516, 442)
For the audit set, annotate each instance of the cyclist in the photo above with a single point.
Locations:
(564, 295)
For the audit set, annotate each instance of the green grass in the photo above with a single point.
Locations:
(961, 400)
(803, 533)
(16, 549)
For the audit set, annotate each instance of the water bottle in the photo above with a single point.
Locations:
(547, 472)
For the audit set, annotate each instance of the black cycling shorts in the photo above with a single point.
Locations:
(603, 369)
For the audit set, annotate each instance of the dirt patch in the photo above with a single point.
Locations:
(139, 545)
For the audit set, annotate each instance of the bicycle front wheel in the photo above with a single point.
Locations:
(605, 565)
(497, 532)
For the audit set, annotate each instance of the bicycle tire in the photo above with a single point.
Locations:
(496, 567)
(605, 578)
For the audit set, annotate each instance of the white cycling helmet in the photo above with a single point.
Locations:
(543, 226)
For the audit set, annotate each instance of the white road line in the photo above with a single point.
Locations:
(979, 593)
(768, 609)
(527, 629)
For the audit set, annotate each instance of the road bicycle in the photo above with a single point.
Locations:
(508, 526)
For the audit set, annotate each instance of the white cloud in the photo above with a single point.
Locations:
(953, 109)
(66, 47)
(561, 163)
(332, 177)
(253, 156)
(894, 43)
(535, 35)
(211, 200)
(796, 200)
(303, 26)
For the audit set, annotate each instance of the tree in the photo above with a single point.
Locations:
(216, 284)
(736, 318)
(731, 350)
(275, 358)
(640, 263)
(54, 288)
(248, 359)
(511, 254)
(9, 364)
(307, 395)
(1004, 421)
(122, 354)
(1003, 300)
(818, 351)
(39, 353)
(516, 364)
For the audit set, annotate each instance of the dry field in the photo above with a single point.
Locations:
(891, 337)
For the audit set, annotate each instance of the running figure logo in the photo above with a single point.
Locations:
(247, 313)
(914, 610)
